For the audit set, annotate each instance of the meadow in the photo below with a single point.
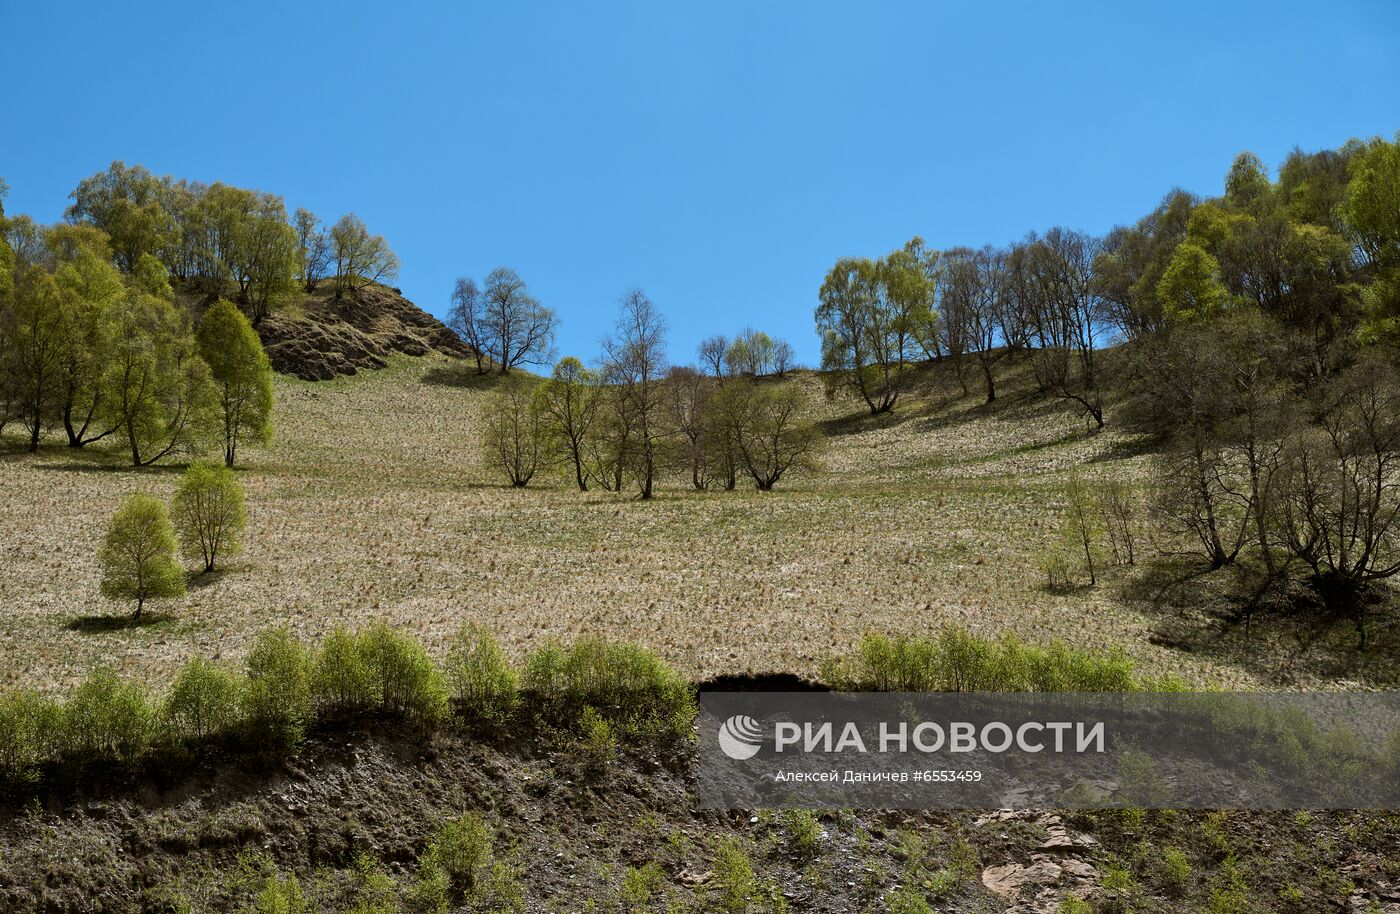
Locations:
(372, 503)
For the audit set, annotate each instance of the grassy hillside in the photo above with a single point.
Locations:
(372, 504)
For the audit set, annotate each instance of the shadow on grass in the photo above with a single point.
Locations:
(97, 625)
(1276, 628)
(462, 374)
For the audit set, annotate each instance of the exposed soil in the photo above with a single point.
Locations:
(329, 336)
(572, 827)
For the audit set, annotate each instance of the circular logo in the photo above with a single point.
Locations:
(740, 737)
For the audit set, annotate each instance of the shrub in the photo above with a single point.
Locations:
(203, 702)
(804, 834)
(342, 682)
(405, 680)
(957, 661)
(734, 877)
(599, 742)
(209, 513)
(907, 900)
(622, 682)
(457, 859)
(1055, 567)
(277, 701)
(27, 724)
(1176, 871)
(639, 884)
(483, 684)
(282, 896)
(107, 717)
(138, 554)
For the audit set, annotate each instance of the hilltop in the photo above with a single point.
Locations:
(327, 336)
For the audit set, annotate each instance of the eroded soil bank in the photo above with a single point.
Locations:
(578, 828)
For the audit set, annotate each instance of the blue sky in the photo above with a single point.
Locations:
(720, 155)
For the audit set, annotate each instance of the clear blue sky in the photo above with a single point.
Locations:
(720, 155)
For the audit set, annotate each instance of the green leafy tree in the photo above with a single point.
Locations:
(91, 288)
(39, 336)
(358, 257)
(127, 204)
(209, 513)
(870, 317)
(158, 390)
(569, 401)
(1371, 211)
(1190, 288)
(241, 373)
(138, 555)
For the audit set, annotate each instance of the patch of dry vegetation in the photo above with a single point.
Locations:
(371, 504)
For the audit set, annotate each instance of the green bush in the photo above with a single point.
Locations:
(277, 700)
(483, 684)
(455, 864)
(804, 834)
(639, 884)
(1176, 871)
(599, 741)
(203, 702)
(957, 661)
(406, 682)
(907, 900)
(734, 877)
(281, 896)
(622, 682)
(108, 718)
(342, 682)
(28, 721)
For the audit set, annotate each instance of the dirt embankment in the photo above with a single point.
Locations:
(352, 814)
(328, 336)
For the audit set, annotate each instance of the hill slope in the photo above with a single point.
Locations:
(328, 336)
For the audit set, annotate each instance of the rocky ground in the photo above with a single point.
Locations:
(329, 336)
(351, 815)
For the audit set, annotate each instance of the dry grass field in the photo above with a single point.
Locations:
(371, 503)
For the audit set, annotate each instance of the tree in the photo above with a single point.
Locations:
(711, 352)
(269, 257)
(870, 316)
(91, 288)
(515, 328)
(158, 390)
(315, 248)
(1339, 506)
(688, 405)
(783, 357)
(1371, 215)
(1055, 281)
(126, 203)
(360, 258)
(241, 373)
(514, 435)
(635, 361)
(40, 333)
(1190, 288)
(209, 513)
(570, 400)
(958, 295)
(465, 318)
(769, 432)
(1132, 261)
(751, 353)
(138, 554)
